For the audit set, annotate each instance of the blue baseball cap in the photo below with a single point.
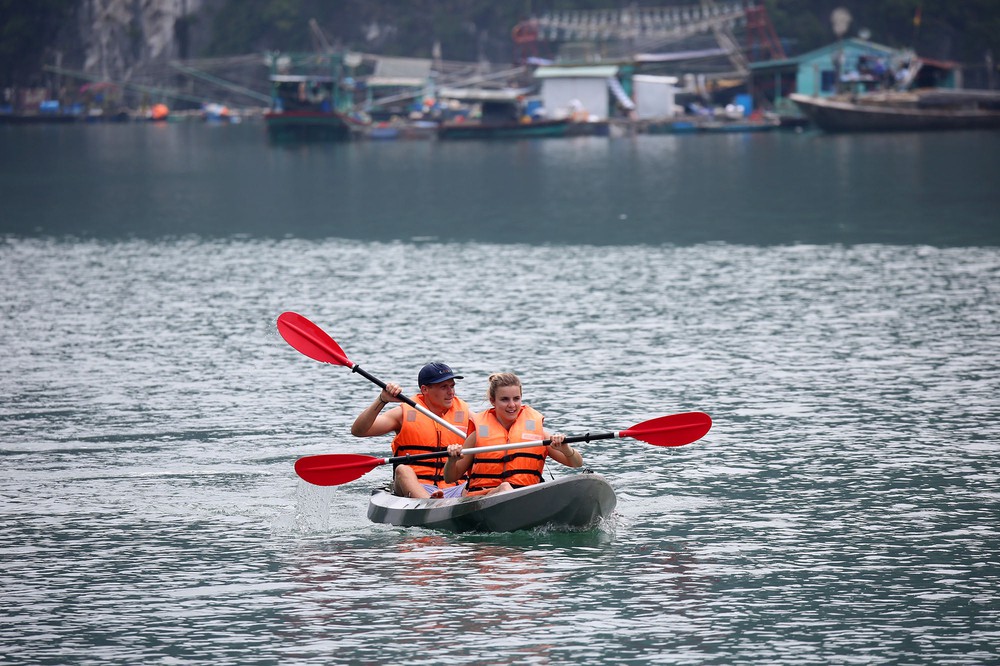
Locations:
(435, 373)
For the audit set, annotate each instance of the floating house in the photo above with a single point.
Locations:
(849, 65)
(582, 93)
(397, 86)
(655, 96)
(817, 72)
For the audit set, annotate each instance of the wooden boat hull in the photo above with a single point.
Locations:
(36, 118)
(844, 116)
(512, 130)
(309, 126)
(576, 501)
(705, 126)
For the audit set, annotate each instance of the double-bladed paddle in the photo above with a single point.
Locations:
(314, 342)
(333, 469)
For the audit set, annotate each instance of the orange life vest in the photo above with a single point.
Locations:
(422, 434)
(518, 467)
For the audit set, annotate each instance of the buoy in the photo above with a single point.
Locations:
(159, 112)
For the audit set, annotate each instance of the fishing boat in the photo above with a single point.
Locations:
(504, 130)
(499, 114)
(577, 501)
(311, 100)
(913, 110)
(694, 125)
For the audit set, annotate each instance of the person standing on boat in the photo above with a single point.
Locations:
(507, 421)
(418, 433)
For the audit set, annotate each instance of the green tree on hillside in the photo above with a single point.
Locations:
(27, 31)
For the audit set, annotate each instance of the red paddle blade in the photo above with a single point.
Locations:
(310, 339)
(673, 430)
(333, 469)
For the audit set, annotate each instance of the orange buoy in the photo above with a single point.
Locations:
(159, 112)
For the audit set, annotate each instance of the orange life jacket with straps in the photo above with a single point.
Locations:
(422, 434)
(518, 467)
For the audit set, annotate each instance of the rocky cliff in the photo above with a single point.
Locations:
(118, 36)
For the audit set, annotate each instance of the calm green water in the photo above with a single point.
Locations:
(141, 181)
(832, 302)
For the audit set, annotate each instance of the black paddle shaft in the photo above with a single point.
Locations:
(381, 384)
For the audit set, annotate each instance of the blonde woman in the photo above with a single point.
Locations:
(507, 421)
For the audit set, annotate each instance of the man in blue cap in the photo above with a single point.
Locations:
(418, 433)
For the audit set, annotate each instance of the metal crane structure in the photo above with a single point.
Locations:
(627, 32)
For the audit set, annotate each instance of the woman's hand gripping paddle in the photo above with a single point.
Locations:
(313, 341)
(333, 469)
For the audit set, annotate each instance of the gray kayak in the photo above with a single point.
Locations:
(576, 501)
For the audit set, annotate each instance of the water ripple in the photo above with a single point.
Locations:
(843, 508)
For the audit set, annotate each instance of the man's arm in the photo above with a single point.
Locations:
(372, 422)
